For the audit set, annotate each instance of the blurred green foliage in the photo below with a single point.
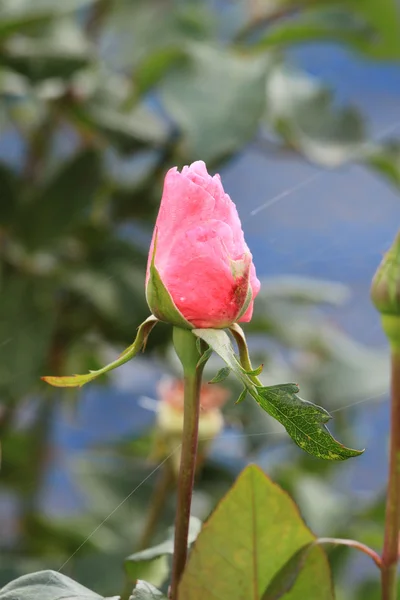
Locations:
(98, 99)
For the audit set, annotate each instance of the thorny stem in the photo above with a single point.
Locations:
(185, 345)
(392, 519)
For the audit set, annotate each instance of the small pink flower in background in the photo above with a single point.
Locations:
(170, 418)
(212, 397)
(201, 255)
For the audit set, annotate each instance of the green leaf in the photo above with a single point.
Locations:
(242, 396)
(384, 21)
(27, 324)
(145, 591)
(286, 577)
(284, 580)
(240, 562)
(205, 356)
(321, 24)
(59, 54)
(155, 571)
(385, 159)
(221, 375)
(136, 564)
(365, 26)
(302, 290)
(137, 129)
(158, 297)
(304, 421)
(154, 66)
(47, 585)
(80, 380)
(233, 85)
(304, 114)
(24, 15)
(8, 194)
(63, 201)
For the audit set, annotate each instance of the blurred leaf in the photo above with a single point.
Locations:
(152, 563)
(59, 54)
(304, 114)
(166, 547)
(47, 585)
(63, 202)
(80, 380)
(154, 66)
(19, 16)
(349, 371)
(139, 446)
(27, 319)
(384, 18)
(385, 159)
(229, 83)
(327, 25)
(155, 571)
(303, 290)
(56, 538)
(138, 128)
(109, 283)
(8, 194)
(323, 506)
(305, 422)
(270, 531)
(370, 589)
(145, 591)
(141, 28)
(13, 85)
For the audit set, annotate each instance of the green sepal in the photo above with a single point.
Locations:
(205, 356)
(199, 344)
(159, 299)
(240, 270)
(242, 396)
(221, 375)
(127, 354)
(246, 304)
(254, 372)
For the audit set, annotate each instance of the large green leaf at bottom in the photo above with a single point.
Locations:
(47, 585)
(252, 533)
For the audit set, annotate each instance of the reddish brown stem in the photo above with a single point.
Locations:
(186, 475)
(392, 519)
(354, 544)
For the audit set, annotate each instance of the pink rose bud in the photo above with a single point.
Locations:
(200, 271)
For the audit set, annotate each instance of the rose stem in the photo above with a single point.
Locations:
(185, 345)
(392, 518)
